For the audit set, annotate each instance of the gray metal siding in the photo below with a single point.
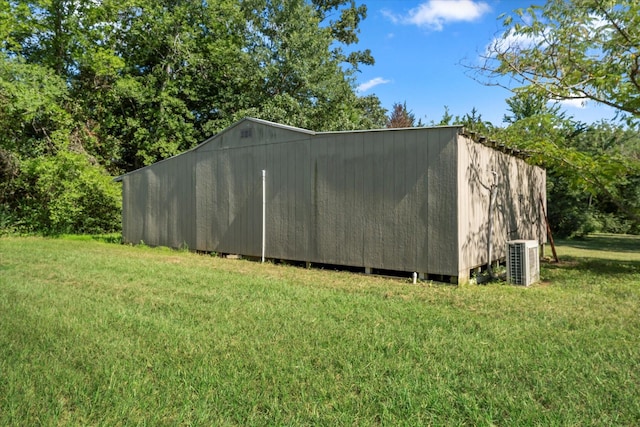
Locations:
(238, 201)
(517, 212)
(371, 197)
(208, 216)
(372, 201)
(159, 204)
(229, 189)
(132, 231)
(398, 200)
(288, 200)
(442, 208)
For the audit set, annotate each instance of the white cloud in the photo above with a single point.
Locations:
(511, 42)
(596, 23)
(434, 14)
(580, 103)
(391, 16)
(371, 83)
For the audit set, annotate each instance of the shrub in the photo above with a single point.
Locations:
(65, 194)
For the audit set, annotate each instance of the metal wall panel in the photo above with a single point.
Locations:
(442, 254)
(421, 228)
(517, 213)
(410, 203)
(328, 197)
(225, 199)
(133, 193)
(288, 200)
(180, 185)
(229, 195)
(370, 196)
(372, 199)
(159, 204)
(388, 215)
(208, 220)
(302, 194)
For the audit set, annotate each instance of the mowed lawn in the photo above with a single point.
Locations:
(96, 333)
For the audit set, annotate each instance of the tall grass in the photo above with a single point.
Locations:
(94, 333)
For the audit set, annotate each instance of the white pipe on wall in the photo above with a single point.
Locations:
(264, 211)
(493, 192)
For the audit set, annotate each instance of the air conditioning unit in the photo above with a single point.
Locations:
(523, 262)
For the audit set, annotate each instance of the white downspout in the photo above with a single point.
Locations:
(264, 211)
(492, 199)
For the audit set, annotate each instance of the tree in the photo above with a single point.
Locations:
(152, 78)
(582, 50)
(577, 175)
(160, 76)
(33, 115)
(48, 183)
(447, 117)
(299, 79)
(345, 29)
(615, 208)
(115, 85)
(401, 117)
(473, 121)
(523, 105)
(65, 193)
(373, 115)
(578, 49)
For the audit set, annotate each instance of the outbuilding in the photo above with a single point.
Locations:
(427, 200)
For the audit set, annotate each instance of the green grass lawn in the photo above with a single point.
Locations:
(94, 333)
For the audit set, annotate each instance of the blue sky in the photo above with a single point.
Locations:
(420, 46)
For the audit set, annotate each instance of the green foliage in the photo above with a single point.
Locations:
(571, 213)
(473, 121)
(152, 79)
(374, 116)
(64, 194)
(593, 170)
(297, 79)
(48, 182)
(446, 119)
(33, 114)
(344, 30)
(124, 84)
(524, 104)
(580, 49)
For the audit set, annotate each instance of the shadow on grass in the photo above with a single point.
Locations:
(597, 266)
(108, 238)
(105, 237)
(605, 242)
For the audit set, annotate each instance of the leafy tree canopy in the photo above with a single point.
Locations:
(597, 163)
(115, 85)
(583, 50)
(151, 78)
(573, 49)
